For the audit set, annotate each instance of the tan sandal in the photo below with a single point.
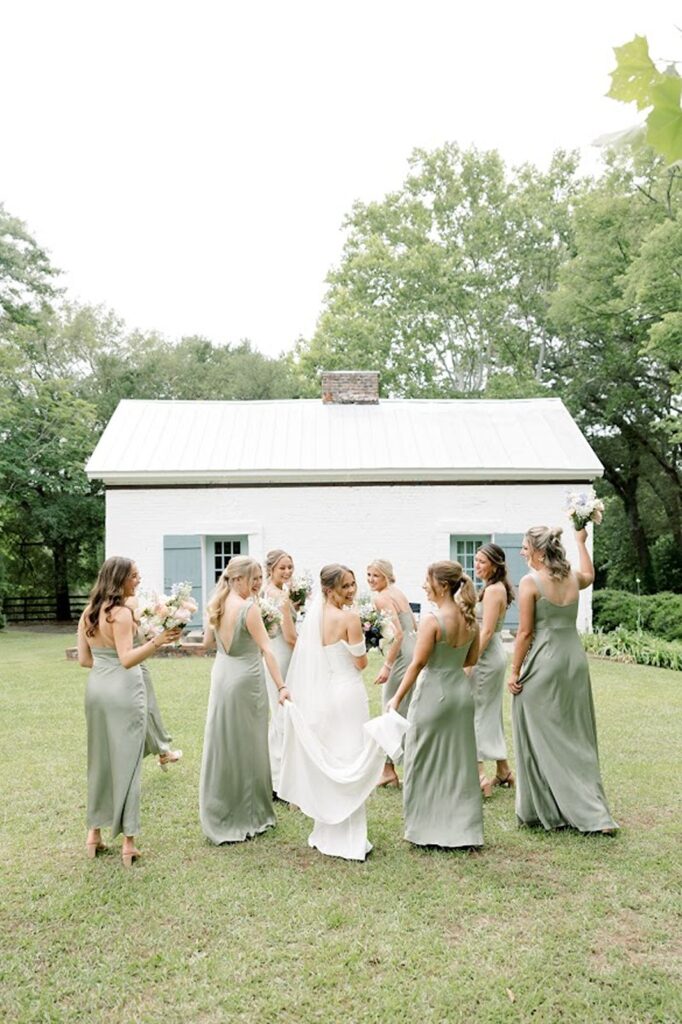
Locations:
(486, 786)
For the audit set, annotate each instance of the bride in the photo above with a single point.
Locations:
(329, 763)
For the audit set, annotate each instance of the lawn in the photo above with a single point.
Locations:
(537, 927)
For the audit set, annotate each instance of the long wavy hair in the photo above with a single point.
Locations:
(496, 556)
(236, 568)
(451, 574)
(108, 591)
(547, 541)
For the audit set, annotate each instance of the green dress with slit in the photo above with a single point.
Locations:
(442, 794)
(558, 779)
(116, 716)
(235, 789)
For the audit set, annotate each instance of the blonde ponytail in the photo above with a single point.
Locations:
(237, 567)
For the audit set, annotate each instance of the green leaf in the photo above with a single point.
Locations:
(664, 123)
(635, 74)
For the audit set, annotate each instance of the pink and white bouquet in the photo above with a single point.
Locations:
(377, 626)
(300, 588)
(167, 611)
(271, 615)
(583, 508)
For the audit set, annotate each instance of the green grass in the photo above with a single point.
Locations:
(537, 927)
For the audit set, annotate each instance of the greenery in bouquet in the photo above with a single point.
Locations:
(300, 588)
(584, 507)
(377, 626)
(167, 611)
(271, 615)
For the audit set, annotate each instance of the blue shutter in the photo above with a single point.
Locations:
(511, 544)
(182, 561)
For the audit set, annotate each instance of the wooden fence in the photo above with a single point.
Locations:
(39, 609)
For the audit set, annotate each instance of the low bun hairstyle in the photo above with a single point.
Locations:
(496, 556)
(240, 565)
(108, 591)
(547, 541)
(383, 567)
(331, 575)
(452, 575)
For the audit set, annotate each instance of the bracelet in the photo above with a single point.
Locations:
(388, 665)
(280, 688)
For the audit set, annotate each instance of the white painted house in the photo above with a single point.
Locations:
(348, 478)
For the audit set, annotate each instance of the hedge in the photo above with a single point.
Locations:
(660, 614)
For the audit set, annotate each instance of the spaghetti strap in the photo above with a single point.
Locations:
(538, 584)
(441, 627)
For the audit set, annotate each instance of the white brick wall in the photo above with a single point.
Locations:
(409, 525)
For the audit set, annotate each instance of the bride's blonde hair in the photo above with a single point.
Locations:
(237, 567)
(452, 575)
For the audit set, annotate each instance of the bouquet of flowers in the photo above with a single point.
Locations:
(300, 587)
(167, 611)
(377, 626)
(584, 508)
(271, 615)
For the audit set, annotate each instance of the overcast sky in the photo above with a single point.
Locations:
(189, 164)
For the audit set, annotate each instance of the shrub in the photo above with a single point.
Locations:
(655, 613)
(640, 648)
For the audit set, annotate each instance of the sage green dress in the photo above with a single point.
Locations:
(116, 716)
(487, 686)
(157, 739)
(400, 666)
(442, 793)
(558, 781)
(235, 789)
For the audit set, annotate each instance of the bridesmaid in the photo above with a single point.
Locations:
(487, 677)
(157, 739)
(235, 789)
(555, 736)
(388, 598)
(442, 794)
(279, 568)
(115, 705)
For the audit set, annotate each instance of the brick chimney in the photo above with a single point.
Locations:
(350, 387)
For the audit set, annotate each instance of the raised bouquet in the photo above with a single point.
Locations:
(300, 587)
(167, 611)
(583, 508)
(377, 626)
(271, 615)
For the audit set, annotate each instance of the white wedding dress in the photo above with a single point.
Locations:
(330, 764)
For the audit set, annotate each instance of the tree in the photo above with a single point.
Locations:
(443, 285)
(608, 304)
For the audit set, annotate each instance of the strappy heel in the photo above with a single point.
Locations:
(508, 782)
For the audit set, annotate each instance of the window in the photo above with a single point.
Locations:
(464, 547)
(224, 551)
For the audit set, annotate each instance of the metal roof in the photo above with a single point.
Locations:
(172, 442)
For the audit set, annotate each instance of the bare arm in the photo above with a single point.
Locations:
(85, 659)
(254, 624)
(474, 652)
(394, 650)
(288, 627)
(492, 609)
(356, 636)
(209, 637)
(426, 639)
(128, 655)
(524, 634)
(585, 576)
